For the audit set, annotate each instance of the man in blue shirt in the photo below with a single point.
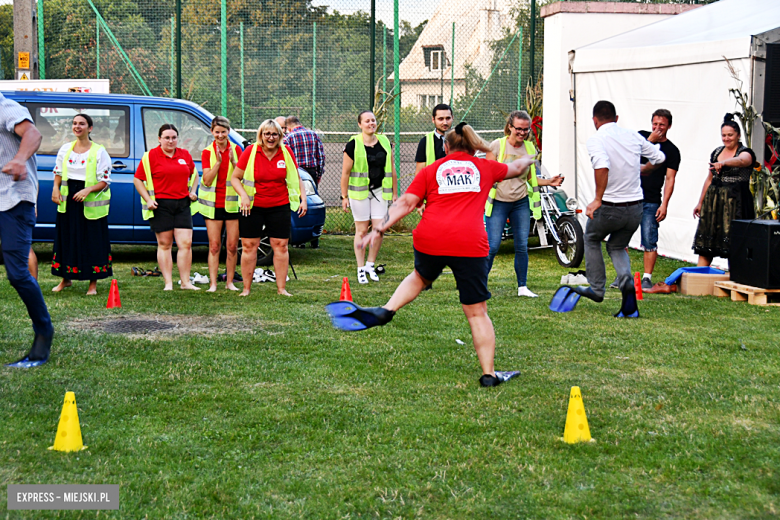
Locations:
(19, 140)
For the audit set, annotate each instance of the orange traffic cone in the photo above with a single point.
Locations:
(113, 296)
(638, 286)
(346, 293)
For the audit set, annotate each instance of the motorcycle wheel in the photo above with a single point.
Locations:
(572, 247)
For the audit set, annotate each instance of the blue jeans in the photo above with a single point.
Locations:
(519, 215)
(649, 226)
(16, 226)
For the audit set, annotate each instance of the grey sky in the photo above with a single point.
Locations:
(413, 11)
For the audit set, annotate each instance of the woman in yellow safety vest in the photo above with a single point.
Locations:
(218, 200)
(368, 183)
(82, 250)
(166, 180)
(270, 188)
(515, 199)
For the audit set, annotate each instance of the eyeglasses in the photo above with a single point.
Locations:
(267, 134)
(520, 129)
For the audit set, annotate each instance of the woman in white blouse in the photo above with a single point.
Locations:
(82, 250)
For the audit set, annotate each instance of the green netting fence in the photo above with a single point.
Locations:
(251, 60)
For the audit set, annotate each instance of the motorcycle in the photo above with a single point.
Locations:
(558, 227)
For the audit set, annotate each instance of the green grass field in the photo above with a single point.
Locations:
(257, 408)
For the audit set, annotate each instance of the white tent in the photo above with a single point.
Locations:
(677, 64)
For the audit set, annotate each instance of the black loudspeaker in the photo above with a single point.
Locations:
(772, 83)
(755, 253)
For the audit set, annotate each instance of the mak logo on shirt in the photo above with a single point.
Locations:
(182, 161)
(457, 177)
(280, 164)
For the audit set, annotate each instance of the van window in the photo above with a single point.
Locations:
(194, 135)
(55, 121)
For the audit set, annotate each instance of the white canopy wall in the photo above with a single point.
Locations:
(675, 64)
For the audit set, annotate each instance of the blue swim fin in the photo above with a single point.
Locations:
(628, 308)
(348, 316)
(564, 299)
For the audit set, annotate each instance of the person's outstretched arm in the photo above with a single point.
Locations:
(31, 140)
(398, 210)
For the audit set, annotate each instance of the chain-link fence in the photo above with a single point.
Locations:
(252, 60)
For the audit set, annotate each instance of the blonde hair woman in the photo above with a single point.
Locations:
(267, 181)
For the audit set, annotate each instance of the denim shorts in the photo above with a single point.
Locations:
(649, 226)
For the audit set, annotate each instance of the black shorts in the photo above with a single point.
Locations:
(221, 214)
(471, 274)
(171, 214)
(265, 222)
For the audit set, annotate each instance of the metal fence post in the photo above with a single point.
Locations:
(241, 32)
(97, 47)
(223, 53)
(532, 75)
(178, 49)
(396, 90)
(173, 56)
(41, 49)
(384, 63)
(314, 78)
(520, 70)
(372, 54)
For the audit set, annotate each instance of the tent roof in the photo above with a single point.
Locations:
(724, 28)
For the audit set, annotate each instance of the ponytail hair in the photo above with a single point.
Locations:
(463, 138)
(728, 120)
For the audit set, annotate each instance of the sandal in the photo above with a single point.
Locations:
(153, 272)
(137, 271)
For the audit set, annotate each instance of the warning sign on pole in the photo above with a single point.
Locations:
(23, 76)
(24, 60)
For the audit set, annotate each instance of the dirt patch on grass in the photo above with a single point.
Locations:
(152, 325)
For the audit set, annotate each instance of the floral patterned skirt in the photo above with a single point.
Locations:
(82, 250)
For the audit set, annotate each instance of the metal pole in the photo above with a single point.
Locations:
(97, 47)
(384, 63)
(241, 28)
(173, 57)
(314, 78)
(223, 53)
(178, 49)
(452, 66)
(532, 74)
(520, 69)
(396, 90)
(41, 51)
(372, 57)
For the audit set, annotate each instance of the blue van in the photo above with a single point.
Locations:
(127, 126)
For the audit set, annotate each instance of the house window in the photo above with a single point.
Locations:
(436, 57)
(429, 101)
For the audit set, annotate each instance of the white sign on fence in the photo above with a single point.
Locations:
(95, 86)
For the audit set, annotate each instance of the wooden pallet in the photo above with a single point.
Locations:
(741, 293)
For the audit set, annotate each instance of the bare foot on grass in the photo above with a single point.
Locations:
(244, 293)
(168, 287)
(189, 287)
(64, 283)
(212, 288)
(231, 287)
(283, 292)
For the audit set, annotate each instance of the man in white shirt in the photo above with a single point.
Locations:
(616, 210)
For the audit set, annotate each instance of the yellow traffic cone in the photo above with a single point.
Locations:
(68, 431)
(576, 429)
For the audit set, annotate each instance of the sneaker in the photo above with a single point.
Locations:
(614, 285)
(524, 291)
(361, 276)
(565, 279)
(372, 274)
(200, 279)
(646, 284)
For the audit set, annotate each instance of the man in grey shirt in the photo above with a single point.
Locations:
(616, 210)
(19, 140)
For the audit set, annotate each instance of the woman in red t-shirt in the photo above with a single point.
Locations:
(171, 170)
(270, 206)
(216, 179)
(452, 233)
